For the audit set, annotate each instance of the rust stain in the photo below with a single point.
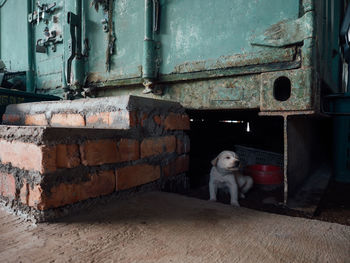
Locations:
(238, 60)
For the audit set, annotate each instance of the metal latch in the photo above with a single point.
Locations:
(75, 46)
(40, 14)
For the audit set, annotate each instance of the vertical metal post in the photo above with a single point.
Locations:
(285, 159)
(0, 33)
(30, 71)
(148, 64)
(77, 66)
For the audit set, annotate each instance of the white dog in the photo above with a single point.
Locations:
(225, 173)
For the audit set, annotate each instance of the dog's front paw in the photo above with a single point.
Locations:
(235, 204)
(241, 195)
(212, 200)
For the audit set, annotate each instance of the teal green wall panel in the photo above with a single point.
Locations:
(208, 30)
(201, 47)
(13, 35)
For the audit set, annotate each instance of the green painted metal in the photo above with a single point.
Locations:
(13, 38)
(199, 47)
(30, 46)
(148, 65)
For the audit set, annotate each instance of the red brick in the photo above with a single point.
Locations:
(97, 119)
(36, 197)
(178, 166)
(158, 145)
(128, 150)
(100, 183)
(36, 120)
(133, 120)
(49, 159)
(157, 119)
(98, 152)
(24, 192)
(132, 176)
(11, 119)
(122, 119)
(182, 164)
(67, 156)
(143, 119)
(177, 122)
(68, 120)
(28, 156)
(7, 185)
(169, 169)
(183, 144)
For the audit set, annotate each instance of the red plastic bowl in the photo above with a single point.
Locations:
(265, 174)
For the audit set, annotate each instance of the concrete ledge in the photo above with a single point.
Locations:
(123, 112)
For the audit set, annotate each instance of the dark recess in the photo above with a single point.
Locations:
(282, 88)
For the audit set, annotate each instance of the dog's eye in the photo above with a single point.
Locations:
(228, 157)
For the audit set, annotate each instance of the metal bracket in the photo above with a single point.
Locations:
(40, 14)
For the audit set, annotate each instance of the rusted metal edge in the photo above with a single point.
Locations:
(286, 113)
(285, 161)
(208, 74)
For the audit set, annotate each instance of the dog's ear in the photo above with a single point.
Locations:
(215, 161)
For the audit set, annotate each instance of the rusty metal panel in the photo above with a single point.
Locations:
(205, 54)
(301, 96)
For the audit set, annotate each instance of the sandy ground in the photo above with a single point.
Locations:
(162, 227)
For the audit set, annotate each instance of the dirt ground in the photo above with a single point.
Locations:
(333, 207)
(163, 227)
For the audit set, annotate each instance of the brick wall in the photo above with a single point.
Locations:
(46, 167)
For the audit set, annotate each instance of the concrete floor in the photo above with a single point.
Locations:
(162, 227)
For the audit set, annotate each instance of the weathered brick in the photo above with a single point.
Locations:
(182, 164)
(143, 119)
(98, 119)
(68, 120)
(183, 144)
(158, 145)
(122, 119)
(177, 122)
(177, 166)
(11, 119)
(67, 156)
(157, 119)
(28, 156)
(133, 120)
(36, 197)
(48, 159)
(24, 192)
(132, 176)
(7, 185)
(128, 150)
(98, 152)
(100, 183)
(36, 120)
